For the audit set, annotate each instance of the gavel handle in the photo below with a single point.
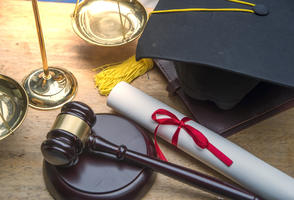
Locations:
(96, 144)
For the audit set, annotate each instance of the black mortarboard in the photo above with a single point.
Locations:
(257, 46)
(221, 46)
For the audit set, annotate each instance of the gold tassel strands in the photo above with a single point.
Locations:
(127, 71)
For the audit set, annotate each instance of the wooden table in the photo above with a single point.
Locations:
(20, 157)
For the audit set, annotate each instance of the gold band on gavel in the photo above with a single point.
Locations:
(72, 124)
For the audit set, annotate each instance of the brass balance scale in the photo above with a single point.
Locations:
(99, 22)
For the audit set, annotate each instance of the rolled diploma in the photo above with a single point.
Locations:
(247, 170)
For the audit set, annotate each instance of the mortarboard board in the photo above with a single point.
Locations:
(240, 42)
(252, 46)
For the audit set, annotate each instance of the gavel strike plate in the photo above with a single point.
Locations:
(97, 178)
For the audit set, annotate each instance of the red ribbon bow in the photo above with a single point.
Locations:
(196, 135)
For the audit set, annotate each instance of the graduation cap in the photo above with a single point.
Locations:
(223, 49)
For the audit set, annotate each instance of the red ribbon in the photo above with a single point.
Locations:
(196, 135)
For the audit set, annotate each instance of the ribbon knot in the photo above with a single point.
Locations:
(199, 139)
(181, 124)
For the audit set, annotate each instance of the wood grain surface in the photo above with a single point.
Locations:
(20, 157)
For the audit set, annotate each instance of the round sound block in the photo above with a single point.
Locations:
(98, 177)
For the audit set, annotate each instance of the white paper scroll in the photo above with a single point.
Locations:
(247, 170)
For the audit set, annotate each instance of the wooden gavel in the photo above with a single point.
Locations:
(71, 133)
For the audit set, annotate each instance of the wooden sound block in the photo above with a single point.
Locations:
(97, 178)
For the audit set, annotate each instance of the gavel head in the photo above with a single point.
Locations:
(66, 139)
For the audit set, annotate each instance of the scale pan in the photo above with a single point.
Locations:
(109, 22)
(13, 105)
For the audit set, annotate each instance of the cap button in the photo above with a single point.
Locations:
(261, 10)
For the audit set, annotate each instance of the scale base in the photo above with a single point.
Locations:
(50, 92)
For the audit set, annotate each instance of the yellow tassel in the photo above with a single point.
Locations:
(127, 71)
